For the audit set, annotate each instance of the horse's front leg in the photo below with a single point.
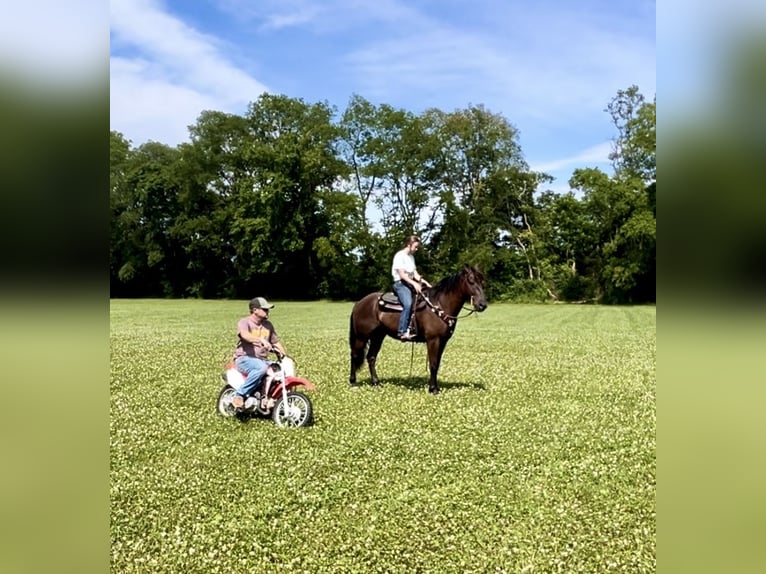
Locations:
(435, 350)
(376, 340)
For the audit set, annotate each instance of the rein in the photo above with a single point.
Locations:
(471, 311)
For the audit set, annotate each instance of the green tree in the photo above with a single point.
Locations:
(393, 159)
(622, 208)
(284, 201)
(342, 261)
(290, 157)
(145, 205)
(360, 130)
(634, 153)
(487, 192)
(568, 236)
(624, 234)
(213, 172)
(119, 202)
(600, 243)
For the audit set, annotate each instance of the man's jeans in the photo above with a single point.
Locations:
(255, 369)
(404, 293)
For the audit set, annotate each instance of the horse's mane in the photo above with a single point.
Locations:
(452, 282)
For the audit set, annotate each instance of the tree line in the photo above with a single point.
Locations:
(294, 200)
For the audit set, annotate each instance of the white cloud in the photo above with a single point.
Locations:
(551, 67)
(145, 108)
(561, 169)
(288, 19)
(545, 67)
(322, 15)
(595, 156)
(167, 74)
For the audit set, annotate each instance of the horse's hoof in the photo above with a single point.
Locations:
(375, 383)
(433, 390)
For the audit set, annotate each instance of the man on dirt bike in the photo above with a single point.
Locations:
(257, 337)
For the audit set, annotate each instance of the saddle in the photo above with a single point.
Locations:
(390, 302)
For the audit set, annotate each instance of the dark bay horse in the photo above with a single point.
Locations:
(435, 317)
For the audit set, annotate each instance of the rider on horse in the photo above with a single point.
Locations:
(406, 278)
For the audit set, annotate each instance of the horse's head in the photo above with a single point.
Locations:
(473, 280)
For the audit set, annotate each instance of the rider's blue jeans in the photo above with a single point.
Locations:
(404, 293)
(255, 369)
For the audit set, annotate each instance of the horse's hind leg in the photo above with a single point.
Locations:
(376, 340)
(357, 342)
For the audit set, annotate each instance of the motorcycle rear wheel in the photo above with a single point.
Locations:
(224, 405)
(294, 411)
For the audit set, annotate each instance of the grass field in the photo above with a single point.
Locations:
(538, 455)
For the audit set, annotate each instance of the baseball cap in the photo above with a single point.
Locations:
(260, 303)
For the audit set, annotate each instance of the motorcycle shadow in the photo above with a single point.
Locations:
(245, 417)
(255, 417)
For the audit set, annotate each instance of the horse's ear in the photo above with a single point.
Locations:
(478, 274)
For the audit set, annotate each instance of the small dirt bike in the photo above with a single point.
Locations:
(286, 406)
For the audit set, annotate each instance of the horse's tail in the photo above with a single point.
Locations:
(357, 358)
(351, 330)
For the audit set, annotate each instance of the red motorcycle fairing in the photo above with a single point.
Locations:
(291, 382)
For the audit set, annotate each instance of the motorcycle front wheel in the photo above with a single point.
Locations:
(293, 411)
(225, 407)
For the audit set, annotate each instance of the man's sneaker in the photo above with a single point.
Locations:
(238, 401)
(406, 336)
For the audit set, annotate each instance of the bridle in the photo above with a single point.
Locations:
(451, 320)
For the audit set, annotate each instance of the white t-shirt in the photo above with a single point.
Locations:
(402, 260)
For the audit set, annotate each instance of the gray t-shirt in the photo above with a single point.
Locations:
(265, 330)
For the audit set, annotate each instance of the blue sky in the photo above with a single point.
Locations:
(549, 67)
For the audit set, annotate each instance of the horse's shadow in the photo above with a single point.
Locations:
(421, 383)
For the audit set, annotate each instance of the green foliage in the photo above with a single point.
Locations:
(336, 254)
(538, 456)
(288, 200)
(525, 291)
(144, 202)
(393, 157)
(635, 149)
(624, 228)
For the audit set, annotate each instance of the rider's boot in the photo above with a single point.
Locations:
(410, 333)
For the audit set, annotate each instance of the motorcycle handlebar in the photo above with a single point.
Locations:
(276, 351)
